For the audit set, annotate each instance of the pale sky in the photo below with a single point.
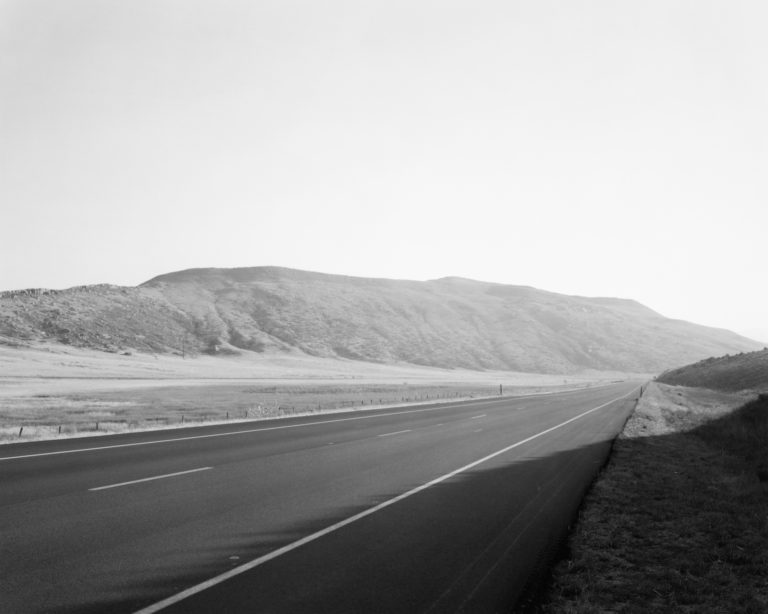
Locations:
(608, 148)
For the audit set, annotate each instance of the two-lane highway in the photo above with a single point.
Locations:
(436, 508)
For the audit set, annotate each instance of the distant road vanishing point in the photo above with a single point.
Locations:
(436, 508)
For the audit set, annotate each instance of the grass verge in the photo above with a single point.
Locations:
(678, 519)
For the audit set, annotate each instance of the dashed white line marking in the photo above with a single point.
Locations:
(476, 417)
(478, 431)
(236, 571)
(156, 477)
(395, 433)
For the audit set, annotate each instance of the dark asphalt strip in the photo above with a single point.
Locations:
(174, 599)
(162, 527)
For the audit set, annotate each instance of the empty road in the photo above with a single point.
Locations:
(435, 508)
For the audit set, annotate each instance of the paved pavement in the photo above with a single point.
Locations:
(438, 508)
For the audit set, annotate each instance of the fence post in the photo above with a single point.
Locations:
(21, 430)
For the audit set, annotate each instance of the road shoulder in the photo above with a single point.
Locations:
(673, 523)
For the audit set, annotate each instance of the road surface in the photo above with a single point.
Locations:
(434, 508)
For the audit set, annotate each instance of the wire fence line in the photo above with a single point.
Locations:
(271, 403)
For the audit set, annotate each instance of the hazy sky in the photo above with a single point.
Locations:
(596, 148)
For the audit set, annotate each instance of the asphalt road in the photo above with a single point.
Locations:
(439, 508)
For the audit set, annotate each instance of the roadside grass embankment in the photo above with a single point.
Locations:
(678, 519)
(745, 371)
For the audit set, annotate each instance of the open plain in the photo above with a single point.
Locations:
(53, 391)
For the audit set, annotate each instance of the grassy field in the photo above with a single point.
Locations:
(52, 392)
(44, 416)
(677, 520)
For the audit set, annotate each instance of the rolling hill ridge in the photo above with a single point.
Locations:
(450, 322)
(743, 371)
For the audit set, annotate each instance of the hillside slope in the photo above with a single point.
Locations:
(746, 371)
(449, 322)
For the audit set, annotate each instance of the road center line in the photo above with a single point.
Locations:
(156, 477)
(395, 433)
(236, 571)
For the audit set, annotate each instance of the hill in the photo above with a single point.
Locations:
(450, 322)
(745, 371)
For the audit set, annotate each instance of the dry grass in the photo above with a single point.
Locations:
(47, 387)
(51, 361)
(113, 411)
(31, 418)
(745, 371)
(744, 434)
(675, 523)
(670, 409)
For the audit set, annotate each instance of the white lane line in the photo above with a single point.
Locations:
(476, 417)
(236, 571)
(478, 431)
(155, 477)
(258, 430)
(395, 433)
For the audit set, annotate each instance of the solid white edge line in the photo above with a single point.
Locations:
(155, 477)
(442, 405)
(198, 588)
(395, 433)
